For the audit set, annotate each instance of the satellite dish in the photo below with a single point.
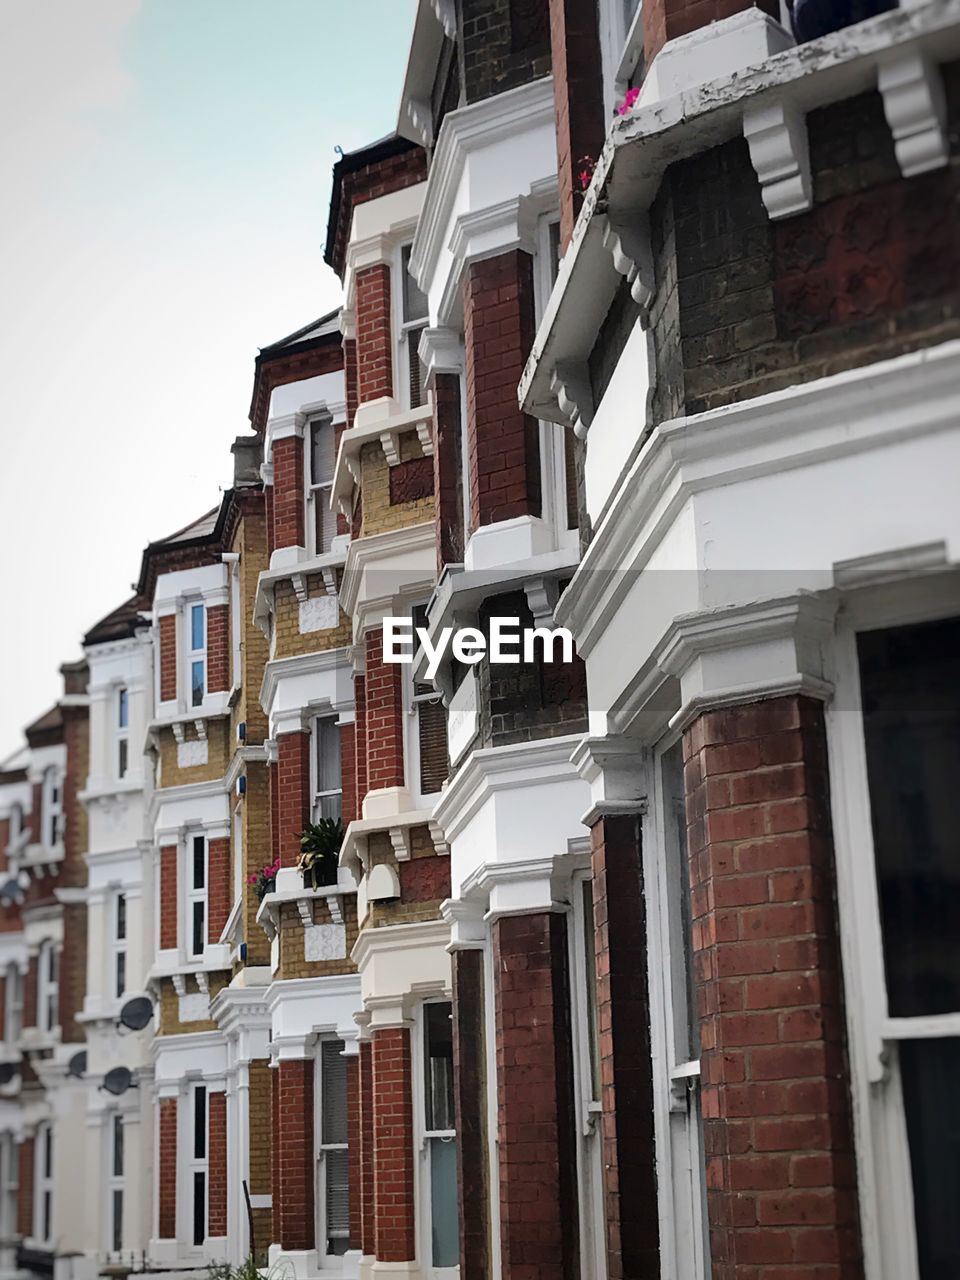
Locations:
(8, 1070)
(118, 1081)
(77, 1066)
(136, 1013)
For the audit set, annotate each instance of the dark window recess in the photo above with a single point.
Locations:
(570, 477)
(434, 760)
(910, 685)
(199, 1207)
(199, 861)
(929, 1072)
(618, 324)
(121, 973)
(121, 916)
(200, 1123)
(117, 1232)
(198, 930)
(117, 1147)
(438, 1052)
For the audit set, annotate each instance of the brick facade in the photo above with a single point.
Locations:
(288, 493)
(292, 780)
(168, 657)
(218, 648)
(374, 334)
(383, 716)
(167, 1169)
(536, 1141)
(368, 1243)
(502, 443)
(470, 1101)
(394, 1213)
(578, 95)
(296, 1155)
(217, 1165)
(219, 888)
(169, 903)
(448, 468)
(781, 1183)
(664, 20)
(354, 1142)
(503, 44)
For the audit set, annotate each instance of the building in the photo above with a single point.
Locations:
(634, 962)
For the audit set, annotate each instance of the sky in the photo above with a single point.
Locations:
(166, 170)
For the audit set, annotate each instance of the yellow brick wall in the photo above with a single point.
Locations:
(170, 1024)
(286, 623)
(292, 963)
(378, 515)
(257, 853)
(250, 542)
(261, 1127)
(218, 755)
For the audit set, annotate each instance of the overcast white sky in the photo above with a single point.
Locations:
(166, 177)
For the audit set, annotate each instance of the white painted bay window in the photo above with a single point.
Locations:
(43, 1189)
(52, 808)
(427, 757)
(327, 783)
(438, 1144)
(321, 462)
(332, 1182)
(413, 321)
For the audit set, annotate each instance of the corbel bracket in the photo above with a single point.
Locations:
(570, 383)
(780, 153)
(916, 111)
(629, 246)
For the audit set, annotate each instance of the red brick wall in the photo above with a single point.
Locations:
(167, 1170)
(374, 334)
(218, 888)
(36, 812)
(273, 776)
(360, 738)
(297, 1227)
(470, 1098)
(537, 1145)
(578, 95)
(354, 1144)
(277, 1118)
(351, 385)
(168, 657)
(425, 879)
(218, 648)
(777, 1126)
(25, 1154)
(73, 972)
(368, 1242)
(293, 793)
(288, 493)
(383, 689)
(217, 1165)
(393, 1146)
(664, 20)
(372, 180)
(168, 897)
(30, 993)
(411, 480)
(348, 772)
(503, 444)
(76, 737)
(623, 1024)
(448, 469)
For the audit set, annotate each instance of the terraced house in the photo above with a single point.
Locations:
(638, 965)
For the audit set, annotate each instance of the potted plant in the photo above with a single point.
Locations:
(264, 881)
(320, 852)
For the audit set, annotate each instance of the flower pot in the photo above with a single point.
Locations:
(323, 874)
(813, 18)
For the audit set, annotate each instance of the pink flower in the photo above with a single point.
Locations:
(629, 99)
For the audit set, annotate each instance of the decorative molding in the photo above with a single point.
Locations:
(916, 111)
(324, 942)
(446, 14)
(542, 595)
(570, 386)
(319, 613)
(629, 246)
(441, 350)
(779, 149)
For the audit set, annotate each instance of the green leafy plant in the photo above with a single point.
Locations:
(320, 849)
(248, 1270)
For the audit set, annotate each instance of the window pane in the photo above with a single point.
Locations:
(929, 1071)
(198, 928)
(910, 684)
(122, 758)
(117, 1147)
(121, 975)
(438, 1055)
(121, 916)
(333, 1076)
(47, 1214)
(199, 1208)
(444, 1215)
(196, 626)
(414, 302)
(123, 710)
(116, 1242)
(322, 455)
(200, 1122)
(199, 861)
(197, 681)
(328, 755)
(630, 7)
(336, 1166)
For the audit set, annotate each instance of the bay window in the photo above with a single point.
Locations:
(197, 1163)
(119, 930)
(13, 1005)
(52, 808)
(621, 43)
(115, 1164)
(9, 1185)
(197, 653)
(332, 1182)
(427, 751)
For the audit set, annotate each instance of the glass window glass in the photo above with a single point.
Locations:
(123, 709)
(196, 626)
(121, 916)
(910, 687)
(197, 681)
(122, 758)
(414, 302)
(438, 1036)
(199, 862)
(929, 1071)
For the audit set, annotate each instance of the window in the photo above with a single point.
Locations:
(52, 807)
(427, 742)
(675, 1029)
(43, 1202)
(123, 733)
(413, 318)
(909, 679)
(15, 828)
(9, 1184)
(327, 787)
(333, 1205)
(198, 1164)
(115, 1183)
(196, 882)
(621, 41)
(198, 654)
(593, 1250)
(48, 986)
(13, 1005)
(321, 464)
(439, 1143)
(119, 944)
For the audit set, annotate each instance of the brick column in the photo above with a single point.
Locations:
(623, 1024)
(470, 1098)
(537, 1145)
(36, 812)
(578, 95)
(297, 1226)
(350, 383)
(374, 334)
(168, 897)
(168, 657)
(167, 1169)
(664, 20)
(383, 696)
(368, 1242)
(218, 648)
(777, 1125)
(30, 992)
(219, 888)
(503, 443)
(448, 468)
(394, 1209)
(354, 1184)
(217, 1165)
(293, 793)
(72, 972)
(360, 739)
(288, 492)
(25, 1154)
(348, 773)
(276, 1116)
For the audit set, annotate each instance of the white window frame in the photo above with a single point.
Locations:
(119, 930)
(9, 1184)
(51, 835)
(423, 1137)
(317, 493)
(121, 745)
(321, 1149)
(13, 1004)
(192, 655)
(621, 45)
(193, 895)
(114, 1181)
(194, 1164)
(884, 1171)
(317, 795)
(553, 478)
(43, 1200)
(48, 986)
(403, 329)
(588, 1105)
(678, 1124)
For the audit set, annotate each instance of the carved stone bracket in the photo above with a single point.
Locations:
(780, 153)
(629, 245)
(916, 111)
(570, 383)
